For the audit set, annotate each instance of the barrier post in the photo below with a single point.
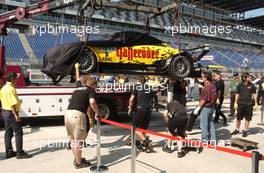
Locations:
(262, 112)
(133, 149)
(98, 167)
(255, 162)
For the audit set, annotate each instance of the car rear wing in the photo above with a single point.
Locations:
(202, 50)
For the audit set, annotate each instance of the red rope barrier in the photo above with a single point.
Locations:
(190, 142)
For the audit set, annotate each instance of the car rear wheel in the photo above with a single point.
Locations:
(87, 61)
(180, 67)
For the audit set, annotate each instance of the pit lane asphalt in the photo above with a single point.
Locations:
(46, 141)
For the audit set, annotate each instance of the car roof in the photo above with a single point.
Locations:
(135, 38)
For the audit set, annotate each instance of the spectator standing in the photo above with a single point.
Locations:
(191, 89)
(170, 84)
(232, 93)
(245, 101)
(154, 84)
(10, 112)
(260, 96)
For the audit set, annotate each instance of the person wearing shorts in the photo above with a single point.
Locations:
(143, 97)
(245, 100)
(76, 119)
(176, 118)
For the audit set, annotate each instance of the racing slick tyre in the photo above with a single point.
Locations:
(106, 109)
(180, 67)
(87, 61)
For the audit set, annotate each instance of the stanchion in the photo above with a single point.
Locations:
(255, 161)
(98, 167)
(262, 112)
(133, 150)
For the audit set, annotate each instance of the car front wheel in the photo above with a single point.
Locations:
(106, 109)
(87, 61)
(180, 67)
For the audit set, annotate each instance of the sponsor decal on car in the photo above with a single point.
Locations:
(131, 53)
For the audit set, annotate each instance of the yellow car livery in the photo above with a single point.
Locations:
(122, 53)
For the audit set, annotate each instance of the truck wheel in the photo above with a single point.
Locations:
(180, 67)
(87, 61)
(106, 109)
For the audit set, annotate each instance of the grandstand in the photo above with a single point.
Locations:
(228, 49)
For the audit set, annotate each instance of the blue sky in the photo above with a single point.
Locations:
(254, 13)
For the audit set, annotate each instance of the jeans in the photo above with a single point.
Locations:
(207, 124)
(12, 126)
(191, 92)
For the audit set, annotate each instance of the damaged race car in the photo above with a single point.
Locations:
(123, 52)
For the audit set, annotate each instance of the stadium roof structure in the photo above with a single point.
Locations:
(255, 21)
(234, 5)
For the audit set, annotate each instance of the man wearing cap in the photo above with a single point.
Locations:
(10, 109)
(232, 93)
(220, 86)
(245, 95)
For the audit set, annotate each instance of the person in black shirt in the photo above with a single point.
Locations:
(179, 91)
(260, 97)
(246, 93)
(143, 97)
(175, 116)
(220, 86)
(76, 117)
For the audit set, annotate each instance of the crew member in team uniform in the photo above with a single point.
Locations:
(246, 99)
(77, 120)
(175, 116)
(220, 86)
(144, 99)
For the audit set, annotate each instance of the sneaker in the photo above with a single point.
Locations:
(244, 133)
(235, 132)
(148, 146)
(23, 155)
(82, 165)
(167, 149)
(10, 155)
(181, 154)
(83, 160)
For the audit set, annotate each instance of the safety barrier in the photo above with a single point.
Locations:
(255, 156)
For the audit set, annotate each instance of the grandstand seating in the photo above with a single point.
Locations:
(227, 57)
(14, 47)
(41, 43)
(167, 20)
